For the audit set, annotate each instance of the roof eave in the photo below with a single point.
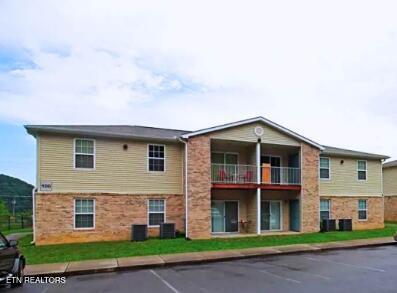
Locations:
(34, 131)
(359, 156)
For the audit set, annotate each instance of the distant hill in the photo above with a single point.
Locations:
(15, 189)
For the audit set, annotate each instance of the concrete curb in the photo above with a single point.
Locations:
(167, 260)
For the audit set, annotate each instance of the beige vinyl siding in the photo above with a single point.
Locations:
(116, 169)
(344, 179)
(246, 133)
(390, 181)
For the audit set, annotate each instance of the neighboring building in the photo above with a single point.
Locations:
(250, 176)
(390, 190)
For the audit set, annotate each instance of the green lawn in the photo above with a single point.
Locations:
(100, 250)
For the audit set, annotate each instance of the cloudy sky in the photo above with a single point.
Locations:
(326, 69)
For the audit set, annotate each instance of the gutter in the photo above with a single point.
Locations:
(186, 191)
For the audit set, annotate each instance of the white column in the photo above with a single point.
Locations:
(258, 190)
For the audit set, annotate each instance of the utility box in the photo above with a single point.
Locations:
(345, 225)
(167, 230)
(328, 225)
(138, 232)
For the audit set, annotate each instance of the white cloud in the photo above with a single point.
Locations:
(326, 70)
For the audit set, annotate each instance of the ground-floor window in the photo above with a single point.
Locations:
(325, 209)
(84, 213)
(156, 211)
(362, 209)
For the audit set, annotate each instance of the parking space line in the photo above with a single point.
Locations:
(165, 282)
(301, 272)
(347, 264)
(280, 277)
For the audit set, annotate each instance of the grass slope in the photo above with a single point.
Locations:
(10, 188)
(101, 250)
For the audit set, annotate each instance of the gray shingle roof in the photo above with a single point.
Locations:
(390, 164)
(350, 153)
(120, 131)
(144, 132)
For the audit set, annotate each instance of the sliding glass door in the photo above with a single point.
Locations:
(218, 216)
(224, 216)
(271, 215)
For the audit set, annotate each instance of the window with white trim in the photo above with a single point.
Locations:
(156, 211)
(362, 209)
(362, 170)
(84, 213)
(84, 154)
(325, 209)
(324, 168)
(156, 157)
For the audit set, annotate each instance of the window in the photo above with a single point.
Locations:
(325, 209)
(156, 157)
(324, 168)
(362, 209)
(362, 170)
(156, 212)
(84, 154)
(3, 243)
(224, 158)
(84, 213)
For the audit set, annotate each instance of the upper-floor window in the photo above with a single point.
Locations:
(84, 153)
(324, 168)
(325, 209)
(156, 157)
(362, 170)
(362, 209)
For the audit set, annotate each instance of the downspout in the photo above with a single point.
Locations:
(186, 191)
(382, 190)
(35, 189)
(34, 214)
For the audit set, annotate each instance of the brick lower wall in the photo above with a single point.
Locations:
(347, 208)
(199, 187)
(391, 208)
(114, 215)
(310, 200)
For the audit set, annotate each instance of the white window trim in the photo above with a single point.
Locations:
(329, 207)
(148, 158)
(74, 214)
(74, 154)
(149, 212)
(366, 210)
(366, 170)
(329, 169)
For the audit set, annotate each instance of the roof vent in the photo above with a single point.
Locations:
(258, 130)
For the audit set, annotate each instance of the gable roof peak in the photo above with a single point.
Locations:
(252, 120)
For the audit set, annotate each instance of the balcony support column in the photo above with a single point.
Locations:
(258, 190)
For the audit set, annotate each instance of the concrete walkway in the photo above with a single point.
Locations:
(138, 262)
(17, 236)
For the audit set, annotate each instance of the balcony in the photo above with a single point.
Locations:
(225, 174)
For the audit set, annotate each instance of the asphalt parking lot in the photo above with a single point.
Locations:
(359, 270)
